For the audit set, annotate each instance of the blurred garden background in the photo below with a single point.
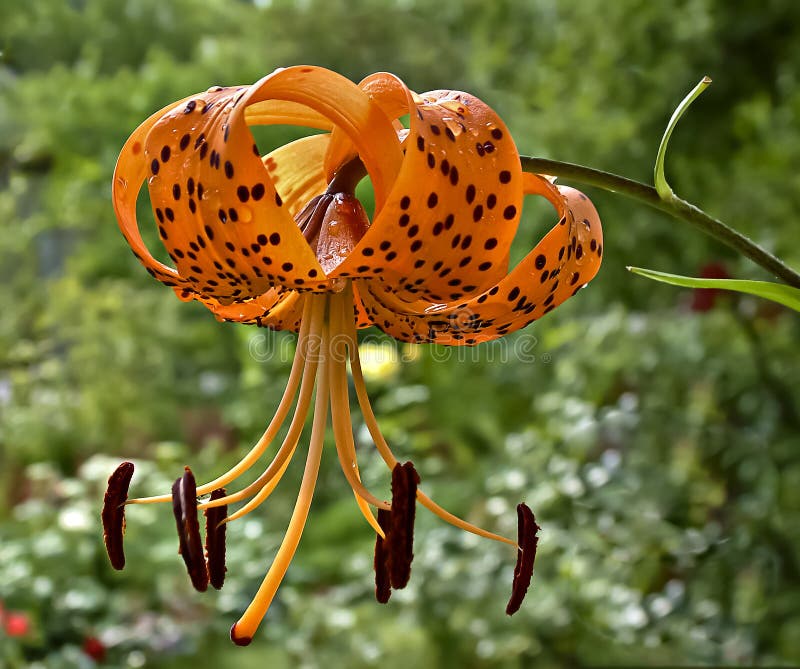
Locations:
(655, 434)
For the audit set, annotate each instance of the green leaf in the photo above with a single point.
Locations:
(660, 181)
(785, 295)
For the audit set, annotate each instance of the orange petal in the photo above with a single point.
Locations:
(219, 214)
(562, 263)
(282, 112)
(391, 95)
(129, 173)
(296, 170)
(445, 232)
(277, 309)
(348, 108)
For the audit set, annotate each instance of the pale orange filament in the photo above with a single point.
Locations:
(383, 447)
(295, 375)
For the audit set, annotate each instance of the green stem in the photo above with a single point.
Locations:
(674, 206)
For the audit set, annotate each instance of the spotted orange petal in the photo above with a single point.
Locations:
(130, 172)
(562, 263)
(219, 214)
(296, 170)
(454, 208)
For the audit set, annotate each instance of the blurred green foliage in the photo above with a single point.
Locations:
(658, 445)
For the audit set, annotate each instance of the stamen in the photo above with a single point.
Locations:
(383, 447)
(295, 376)
(215, 541)
(269, 479)
(383, 588)
(184, 506)
(243, 630)
(523, 571)
(113, 514)
(271, 476)
(401, 543)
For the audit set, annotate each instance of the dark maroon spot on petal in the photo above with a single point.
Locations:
(258, 191)
(165, 153)
(243, 193)
(540, 261)
(470, 194)
(505, 177)
(433, 200)
(490, 243)
(405, 202)
(497, 133)
(509, 212)
(154, 166)
(185, 141)
(229, 169)
(113, 514)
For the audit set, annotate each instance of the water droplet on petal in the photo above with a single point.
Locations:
(435, 308)
(153, 182)
(245, 214)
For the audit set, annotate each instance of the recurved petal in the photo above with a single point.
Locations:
(276, 309)
(283, 112)
(349, 109)
(296, 169)
(131, 170)
(392, 96)
(562, 263)
(219, 214)
(445, 231)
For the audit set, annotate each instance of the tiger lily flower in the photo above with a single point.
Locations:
(281, 241)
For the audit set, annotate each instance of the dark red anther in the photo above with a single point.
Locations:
(383, 589)
(215, 540)
(404, 501)
(523, 571)
(184, 506)
(113, 514)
